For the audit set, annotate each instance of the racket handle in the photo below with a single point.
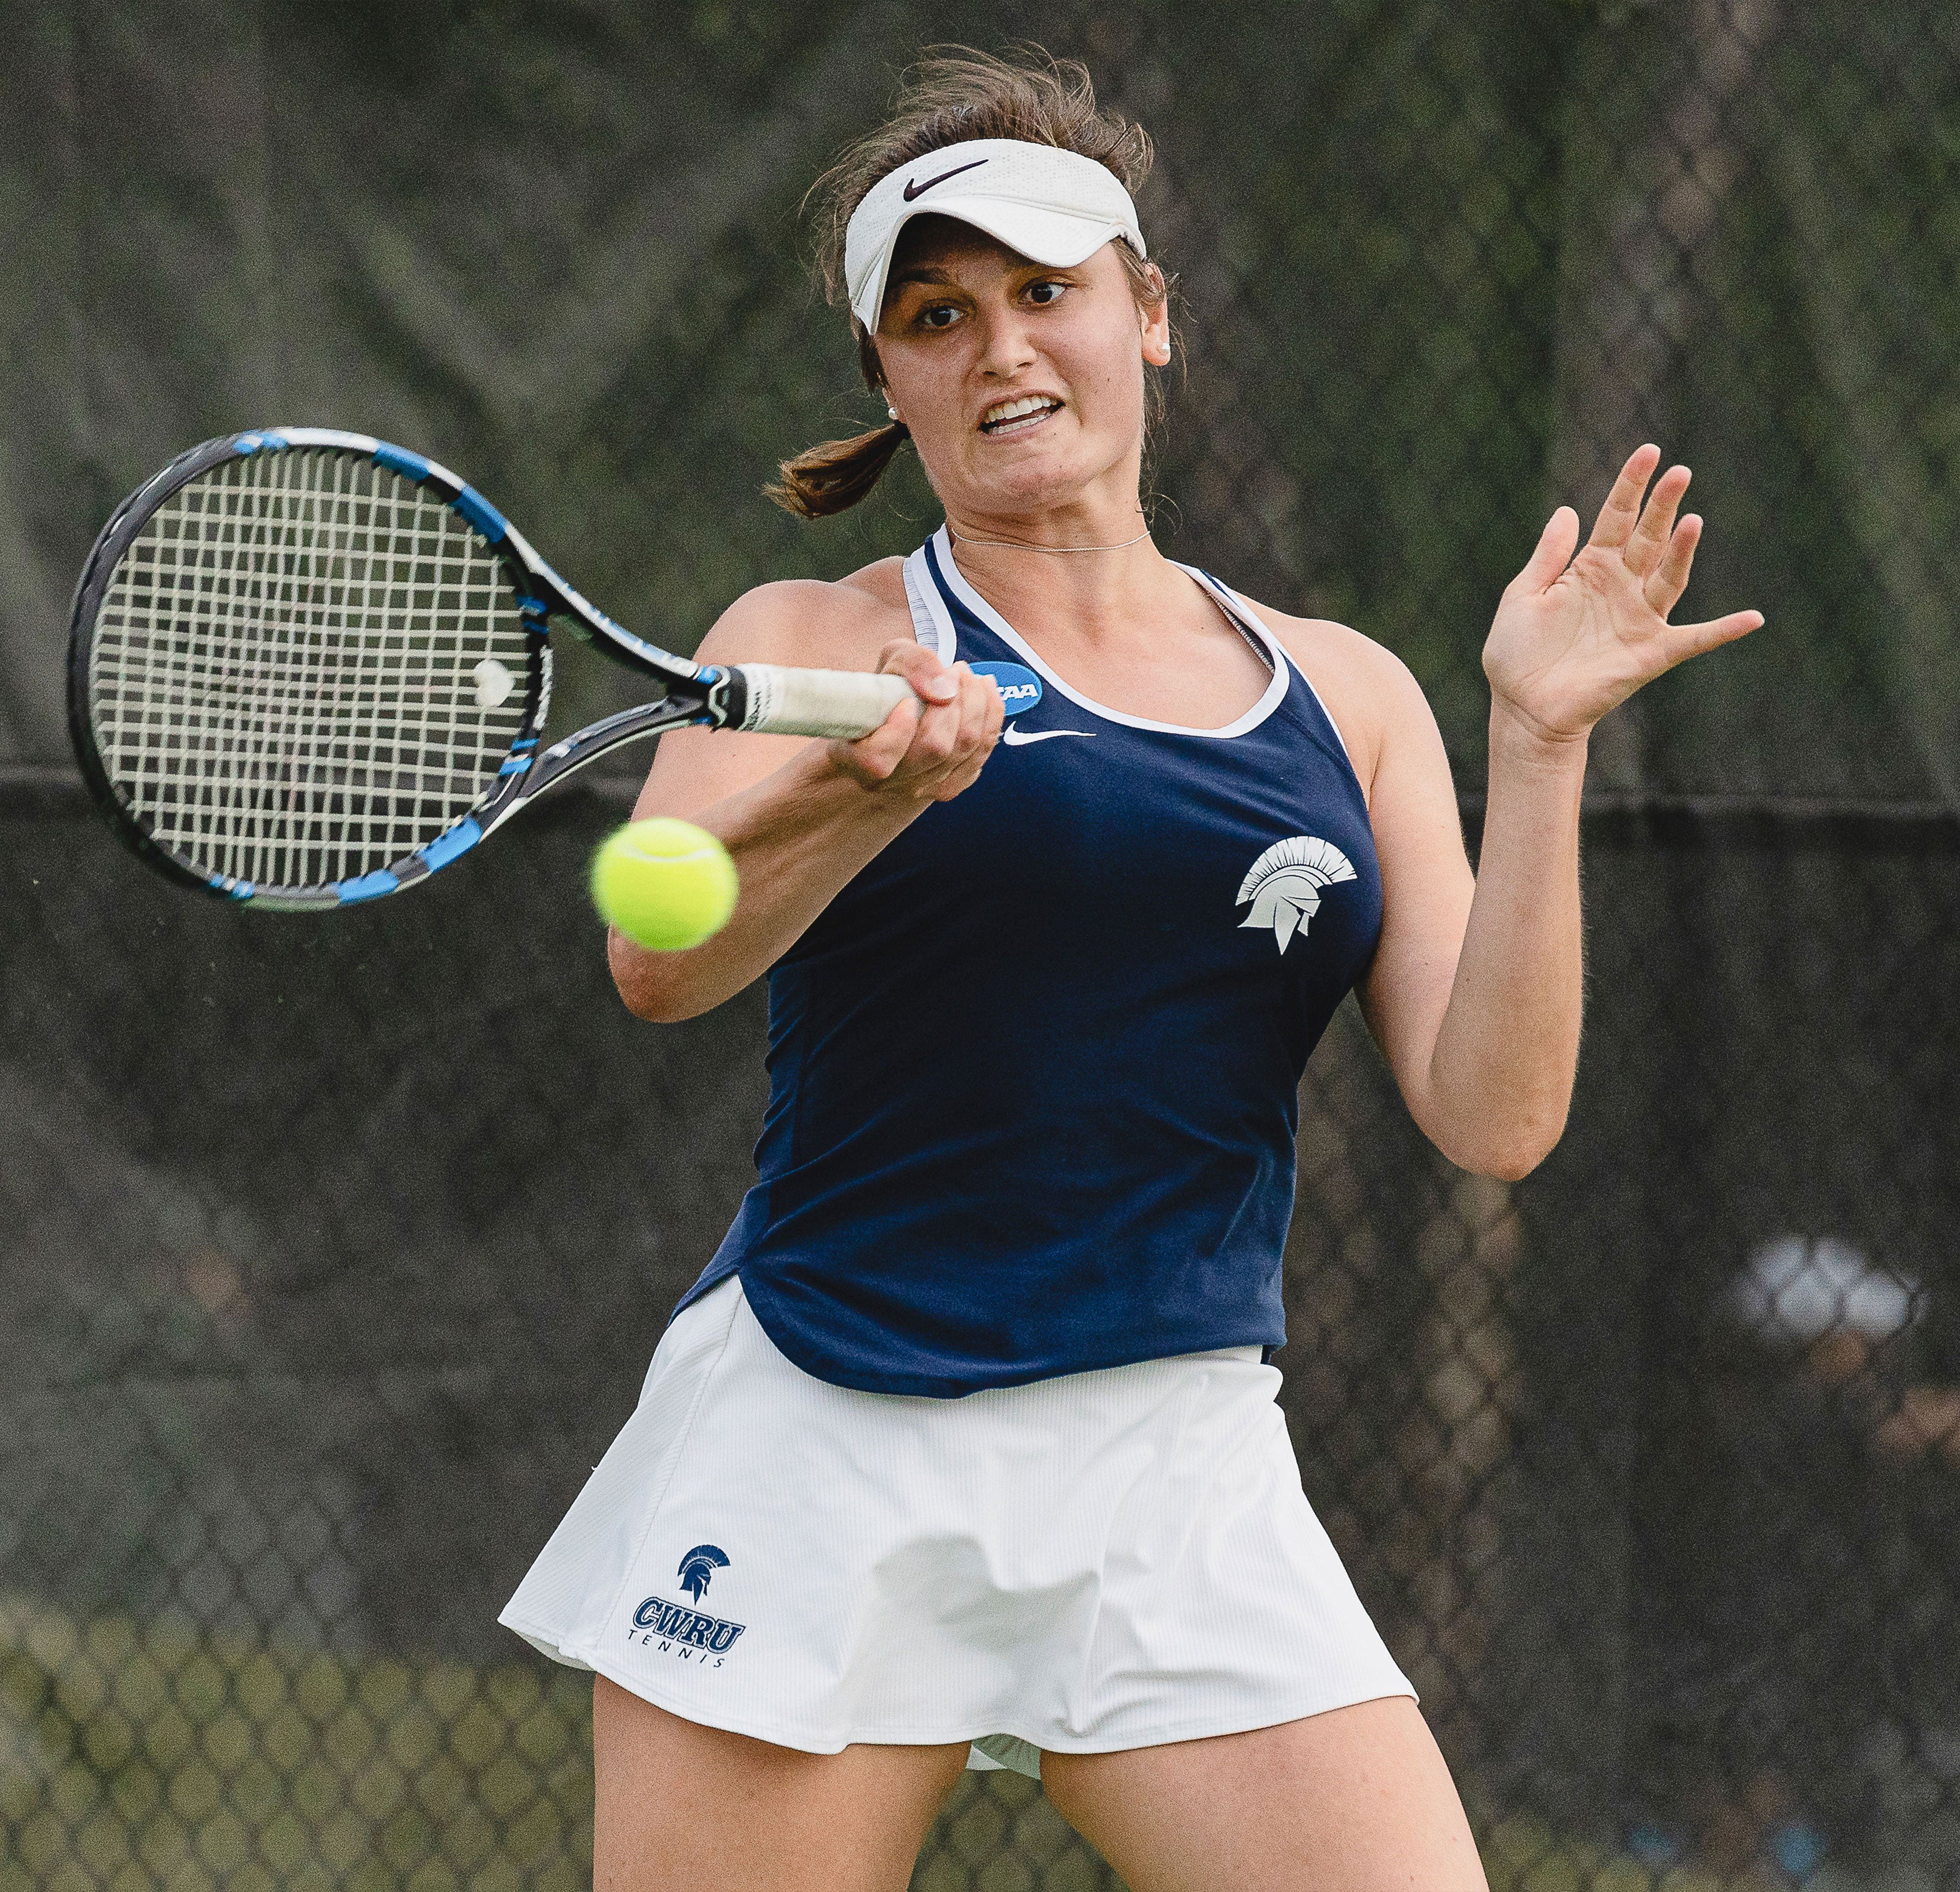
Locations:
(786, 701)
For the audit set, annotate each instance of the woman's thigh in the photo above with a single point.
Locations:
(681, 1805)
(1357, 1800)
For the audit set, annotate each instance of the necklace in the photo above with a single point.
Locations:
(1021, 545)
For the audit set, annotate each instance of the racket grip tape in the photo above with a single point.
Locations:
(781, 700)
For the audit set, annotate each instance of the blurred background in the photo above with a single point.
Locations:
(333, 1251)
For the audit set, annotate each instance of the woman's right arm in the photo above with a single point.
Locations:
(801, 818)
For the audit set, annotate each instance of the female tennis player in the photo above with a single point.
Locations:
(964, 1443)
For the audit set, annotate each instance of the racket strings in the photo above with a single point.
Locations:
(288, 679)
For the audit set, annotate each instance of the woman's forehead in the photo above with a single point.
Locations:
(946, 243)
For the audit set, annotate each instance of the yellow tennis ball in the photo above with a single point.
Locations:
(666, 884)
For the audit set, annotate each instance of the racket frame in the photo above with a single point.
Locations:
(710, 695)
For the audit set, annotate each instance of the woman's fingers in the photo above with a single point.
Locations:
(1649, 544)
(1621, 512)
(939, 690)
(1551, 555)
(937, 739)
(1668, 579)
(871, 759)
(934, 741)
(981, 713)
(981, 717)
(1686, 640)
(955, 736)
(921, 668)
(974, 691)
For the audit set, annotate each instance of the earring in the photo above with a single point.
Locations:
(891, 410)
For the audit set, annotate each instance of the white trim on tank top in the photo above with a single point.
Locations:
(932, 623)
(921, 590)
(1247, 615)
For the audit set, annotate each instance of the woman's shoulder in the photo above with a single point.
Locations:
(1367, 690)
(831, 625)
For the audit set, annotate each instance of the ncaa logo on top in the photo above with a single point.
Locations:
(1020, 688)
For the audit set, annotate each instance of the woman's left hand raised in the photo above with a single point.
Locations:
(1575, 637)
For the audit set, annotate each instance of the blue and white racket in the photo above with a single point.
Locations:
(307, 668)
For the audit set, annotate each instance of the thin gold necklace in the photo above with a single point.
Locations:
(1021, 545)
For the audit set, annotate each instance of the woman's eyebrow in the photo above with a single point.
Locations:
(921, 272)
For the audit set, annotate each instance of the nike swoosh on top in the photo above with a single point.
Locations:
(1014, 738)
(919, 190)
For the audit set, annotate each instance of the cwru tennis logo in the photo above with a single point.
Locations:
(674, 1630)
(675, 1626)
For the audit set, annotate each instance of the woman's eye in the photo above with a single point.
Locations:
(1042, 294)
(941, 315)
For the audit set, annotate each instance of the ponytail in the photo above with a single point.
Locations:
(833, 477)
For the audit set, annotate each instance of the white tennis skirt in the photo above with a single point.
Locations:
(1110, 1559)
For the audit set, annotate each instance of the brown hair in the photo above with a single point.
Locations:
(951, 96)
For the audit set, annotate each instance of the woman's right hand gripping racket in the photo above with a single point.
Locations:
(307, 668)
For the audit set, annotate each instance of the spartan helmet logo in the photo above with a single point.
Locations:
(697, 1568)
(1285, 882)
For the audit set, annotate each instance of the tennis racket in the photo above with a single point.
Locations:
(307, 669)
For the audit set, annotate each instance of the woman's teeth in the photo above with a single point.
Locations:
(1017, 416)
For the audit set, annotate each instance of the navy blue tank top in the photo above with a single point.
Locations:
(1035, 1071)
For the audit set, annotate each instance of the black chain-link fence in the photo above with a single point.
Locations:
(335, 1251)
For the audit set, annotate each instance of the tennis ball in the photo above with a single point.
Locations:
(666, 885)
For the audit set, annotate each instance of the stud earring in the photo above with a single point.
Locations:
(891, 410)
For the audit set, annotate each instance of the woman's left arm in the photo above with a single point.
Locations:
(1475, 992)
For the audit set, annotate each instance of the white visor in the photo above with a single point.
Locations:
(1052, 206)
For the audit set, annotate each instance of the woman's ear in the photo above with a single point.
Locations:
(1155, 317)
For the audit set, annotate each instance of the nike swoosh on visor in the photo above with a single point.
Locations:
(919, 190)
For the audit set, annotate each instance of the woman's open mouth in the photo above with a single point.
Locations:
(1019, 417)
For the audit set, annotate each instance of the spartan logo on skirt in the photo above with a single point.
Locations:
(691, 1634)
(1285, 882)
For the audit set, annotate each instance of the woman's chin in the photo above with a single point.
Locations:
(1034, 481)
